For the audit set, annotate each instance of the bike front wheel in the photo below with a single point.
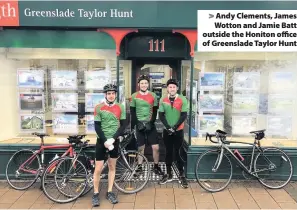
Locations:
(64, 180)
(212, 175)
(130, 178)
(22, 169)
(273, 168)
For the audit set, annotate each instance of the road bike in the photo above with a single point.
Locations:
(26, 166)
(270, 166)
(74, 176)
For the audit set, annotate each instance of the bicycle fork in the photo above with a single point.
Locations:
(218, 161)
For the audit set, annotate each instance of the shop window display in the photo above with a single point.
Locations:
(239, 96)
(58, 96)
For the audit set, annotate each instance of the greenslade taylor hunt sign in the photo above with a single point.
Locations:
(81, 13)
(124, 14)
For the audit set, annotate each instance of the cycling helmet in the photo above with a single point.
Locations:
(143, 77)
(110, 87)
(172, 81)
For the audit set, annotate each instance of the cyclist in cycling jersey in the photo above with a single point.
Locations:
(110, 122)
(173, 110)
(144, 107)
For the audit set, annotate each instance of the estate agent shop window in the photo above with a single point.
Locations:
(57, 95)
(55, 91)
(241, 92)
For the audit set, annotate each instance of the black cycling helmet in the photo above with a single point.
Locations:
(110, 87)
(172, 81)
(143, 77)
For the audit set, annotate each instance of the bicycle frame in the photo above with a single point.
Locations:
(70, 151)
(223, 147)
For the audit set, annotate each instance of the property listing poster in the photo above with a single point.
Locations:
(32, 123)
(279, 126)
(280, 103)
(212, 81)
(92, 100)
(31, 101)
(242, 125)
(211, 103)
(65, 124)
(210, 123)
(90, 125)
(246, 81)
(64, 80)
(281, 82)
(30, 78)
(245, 103)
(64, 102)
(95, 80)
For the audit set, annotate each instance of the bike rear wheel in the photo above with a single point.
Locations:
(128, 179)
(208, 179)
(23, 178)
(64, 180)
(273, 167)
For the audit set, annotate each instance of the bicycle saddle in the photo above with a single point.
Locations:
(258, 131)
(221, 132)
(40, 135)
(76, 136)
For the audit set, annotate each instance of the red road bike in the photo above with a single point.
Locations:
(24, 168)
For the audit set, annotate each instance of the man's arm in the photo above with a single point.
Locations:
(123, 123)
(133, 111)
(97, 122)
(99, 131)
(163, 120)
(183, 114)
(155, 109)
(182, 118)
(133, 116)
(162, 114)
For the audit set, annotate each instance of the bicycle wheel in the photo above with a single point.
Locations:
(277, 169)
(207, 177)
(22, 169)
(127, 179)
(87, 163)
(64, 180)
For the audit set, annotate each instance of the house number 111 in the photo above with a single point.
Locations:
(154, 45)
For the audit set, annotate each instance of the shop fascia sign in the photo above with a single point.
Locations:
(9, 13)
(81, 13)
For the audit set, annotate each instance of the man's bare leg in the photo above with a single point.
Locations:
(96, 182)
(111, 172)
(156, 156)
(140, 160)
(97, 174)
(111, 176)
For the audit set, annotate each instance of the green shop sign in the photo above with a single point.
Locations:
(128, 14)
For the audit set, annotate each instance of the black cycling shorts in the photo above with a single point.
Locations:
(101, 150)
(152, 137)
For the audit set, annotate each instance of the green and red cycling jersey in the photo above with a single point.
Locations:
(144, 104)
(173, 111)
(110, 117)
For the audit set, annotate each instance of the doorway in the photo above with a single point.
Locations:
(159, 71)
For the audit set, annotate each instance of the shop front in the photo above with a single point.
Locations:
(56, 57)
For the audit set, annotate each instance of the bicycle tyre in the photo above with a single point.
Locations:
(286, 157)
(59, 161)
(11, 161)
(87, 190)
(144, 163)
(197, 166)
